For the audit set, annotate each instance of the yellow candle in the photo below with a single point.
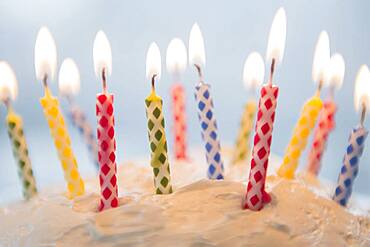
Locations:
(20, 151)
(242, 145)
(300, 136)
(62, 142)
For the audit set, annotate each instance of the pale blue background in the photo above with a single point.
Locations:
(231, 29)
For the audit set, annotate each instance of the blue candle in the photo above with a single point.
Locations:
(350, 165)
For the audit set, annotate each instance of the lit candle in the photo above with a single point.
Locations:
(69, 86)
(8, 93)
(326, 122)
(45, 64)
(105, 117)
(157, 137)
(204, 102)
(253, 73)
(310, 111)
(176, 60)
(256, 196)
(356, 141)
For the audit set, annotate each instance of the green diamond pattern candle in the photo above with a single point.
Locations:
(158, 144)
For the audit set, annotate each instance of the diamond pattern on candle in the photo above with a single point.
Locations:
(256, 196)
(325, 125)
(20, 152)
(58, 130)
(209, 132)
(242, 146)
(299, 139)
(158, 146)
(107, 149)
(350, 166)
(79, 120)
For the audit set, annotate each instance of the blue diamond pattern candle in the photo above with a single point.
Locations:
(205, 108)
(356, 141)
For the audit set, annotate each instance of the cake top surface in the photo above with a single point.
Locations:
(200, 212)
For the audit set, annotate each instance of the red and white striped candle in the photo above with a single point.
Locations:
(326, 122)
(105, 130)
(176, 61)
(256, 196)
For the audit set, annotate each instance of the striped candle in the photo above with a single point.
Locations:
(20, 152)
(326, 124)
(350, 165)
(79, 120)
(242, 146)
(209, 131)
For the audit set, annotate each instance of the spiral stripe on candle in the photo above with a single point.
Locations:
(79, 120)
(107, 152)
(242, 146)
(325, 125)
(158, 147)
(62, 141)
(209, 132)
(20, 152)
(350, 165)
(256, 196)
(179, 128)
(300, 136)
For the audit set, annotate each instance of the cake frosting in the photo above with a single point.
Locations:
(200, 212)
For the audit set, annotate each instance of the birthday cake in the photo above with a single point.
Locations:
(200, 212)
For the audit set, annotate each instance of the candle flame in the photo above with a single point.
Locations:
(176, 56)
(336, 71)
(276, 41)
(197, 54)
(362, 88)
(69, 78)
(153, 62)
(254, 71)
(8, 82)
(45, 55)
(102, 54)
(321, 58)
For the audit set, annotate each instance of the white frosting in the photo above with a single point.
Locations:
(200, 212)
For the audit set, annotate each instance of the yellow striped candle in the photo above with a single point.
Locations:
(242, 145)
(300, 136)
(62, 141)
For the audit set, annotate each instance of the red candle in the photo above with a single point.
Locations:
(176, 61)
(256, 196)
(105, 131)
(335, 74)
(326, 124)
(179, 127)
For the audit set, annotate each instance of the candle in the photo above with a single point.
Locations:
(256, 197)
(356, 141)
(105, 117)
(157, 137)
(254, 70)
(326, 120)
(45, 64)
(310, 111)
(8, 93)
(69, 85)
(204, 102)
(176, 60)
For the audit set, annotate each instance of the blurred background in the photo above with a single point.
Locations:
(231, 30)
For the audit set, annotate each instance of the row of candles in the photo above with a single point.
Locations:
(327, 71)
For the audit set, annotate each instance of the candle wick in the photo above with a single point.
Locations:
(319, 87)
(45, 80)
(7, 103)
(153, 82)
(272, 70)
(199, 70)
(104, 80)
(363, 114)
